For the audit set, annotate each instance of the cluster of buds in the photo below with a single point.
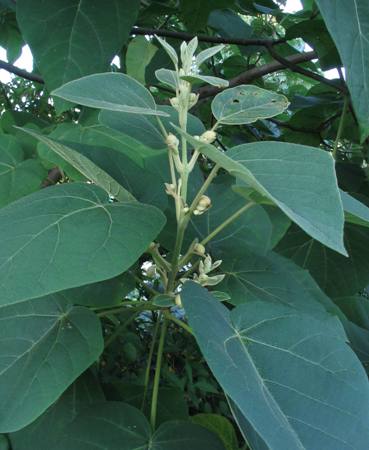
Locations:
(208, 137)
(203, 205)
(206, 266)
(172, 142)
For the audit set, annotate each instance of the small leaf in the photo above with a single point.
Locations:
(168, 77)
(247, 104)
(85, 166)
(46, 344)
(67, 236)
(218, 425)
(163, 300)
(208, 53)
(112, 91)
(214, 81)
(169, 49)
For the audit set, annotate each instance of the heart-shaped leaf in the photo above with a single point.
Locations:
(291, 374)
(67, 236)
(73, 38)
(46, 344)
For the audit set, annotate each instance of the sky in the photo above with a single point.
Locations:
(26, 62)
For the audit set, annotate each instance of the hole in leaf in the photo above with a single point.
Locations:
(236, 101)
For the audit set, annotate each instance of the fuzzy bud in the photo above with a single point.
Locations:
(172, 141)
(199, 249)
(193, 99)
(208, 137)
(203, 205)
(174, 102)
(178, 301)
(151, 271)
(170, 189)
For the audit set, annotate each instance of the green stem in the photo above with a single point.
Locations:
(346, 103)
(149, 362)
(159, 358)
(179, 323)
(120, 328)
(203, 189)
(176, 253)
(142, 305)
(223, 225)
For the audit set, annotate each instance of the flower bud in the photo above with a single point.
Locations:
(172, 141)
(199, 249)
(178, 301)
(203, 205)
(174, 102)
(208, 137)
(193, 99)
(151, 271)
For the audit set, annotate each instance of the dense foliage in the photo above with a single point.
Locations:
(184, 232)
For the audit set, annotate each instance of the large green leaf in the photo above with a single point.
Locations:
(119, 426)
(44, 433)
(146, 129)
(98, 136)
(73, 38)
(140, 52)
(336, 275)
(18, 176)
(113, 91)
(348, 24)
(85, 166)
(247, 104)
(271, 278)
(293, 177)
(290, 374)
(67, 236)
(46, 344)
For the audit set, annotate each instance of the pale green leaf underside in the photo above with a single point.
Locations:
(214, 81)
(87, 41)
(320, 402)
(45, 344)
(119, 426)
(348, 24)
(67, 236)
(292, 176)
(247, 104)
(168, 77)
(85, 166)
(356, 212)
(111, 91)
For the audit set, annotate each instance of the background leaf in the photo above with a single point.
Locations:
(45, 345)
(87, 41)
